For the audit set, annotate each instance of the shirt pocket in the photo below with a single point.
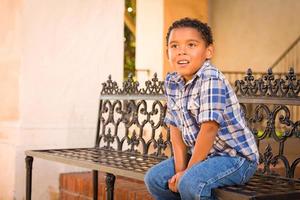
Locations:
(173, 104)
(174, 108)
(193, 106)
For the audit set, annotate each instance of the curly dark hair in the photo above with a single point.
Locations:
(201, 27)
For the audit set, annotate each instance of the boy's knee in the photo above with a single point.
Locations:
(151, 176)
(148, 179)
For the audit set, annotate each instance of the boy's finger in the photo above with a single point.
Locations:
(172, 180)
(170, 186)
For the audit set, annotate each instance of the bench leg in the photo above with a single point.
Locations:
(110, 182)
(28, 161)
(95, 185)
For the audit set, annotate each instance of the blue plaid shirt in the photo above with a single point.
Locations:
(208, 96)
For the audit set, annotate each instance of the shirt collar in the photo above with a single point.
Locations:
(179, 79)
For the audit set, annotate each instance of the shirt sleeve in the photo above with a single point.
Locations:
(212, 100)
(169, 117)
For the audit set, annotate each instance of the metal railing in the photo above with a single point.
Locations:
(232, 76)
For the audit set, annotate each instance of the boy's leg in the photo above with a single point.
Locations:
(199, 180)
(156, 180)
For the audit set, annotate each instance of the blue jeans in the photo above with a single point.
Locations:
(200, 179)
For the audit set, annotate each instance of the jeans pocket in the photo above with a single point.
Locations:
(249, 172)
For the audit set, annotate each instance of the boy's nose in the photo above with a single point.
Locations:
(181, 51)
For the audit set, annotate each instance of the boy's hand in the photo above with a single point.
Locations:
(173, 182)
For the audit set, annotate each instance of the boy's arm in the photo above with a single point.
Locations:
(204, 142)
(179, 149)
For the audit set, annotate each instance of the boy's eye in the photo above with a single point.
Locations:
(191, 45)
(174, 46)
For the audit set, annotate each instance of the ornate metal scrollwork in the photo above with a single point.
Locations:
(109, 87)
(269, 85)
(132, 87)
(268, 159)
(134, 112)
(154, 86)
(133, 141)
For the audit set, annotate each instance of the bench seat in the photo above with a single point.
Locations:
(262, 187)
(110, 161)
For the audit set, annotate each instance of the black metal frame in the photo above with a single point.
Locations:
(266, 100)
(269, 85)
(29, 162)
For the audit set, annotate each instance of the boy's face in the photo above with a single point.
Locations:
(187, 51)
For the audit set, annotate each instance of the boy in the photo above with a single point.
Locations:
(212, 145)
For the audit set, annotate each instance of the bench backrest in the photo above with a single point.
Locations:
(272, 108)
(131, 118)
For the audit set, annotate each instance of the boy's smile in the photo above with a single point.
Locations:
(187, 51)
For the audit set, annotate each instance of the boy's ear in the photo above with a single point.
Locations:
(209, 51)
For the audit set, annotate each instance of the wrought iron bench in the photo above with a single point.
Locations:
(131, 136)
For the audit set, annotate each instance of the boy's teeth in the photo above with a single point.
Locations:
(183, 62)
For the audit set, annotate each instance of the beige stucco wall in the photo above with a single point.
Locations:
(149, 40)
(9, 59)
(252, 33)
(8, 139)
(61, 51)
